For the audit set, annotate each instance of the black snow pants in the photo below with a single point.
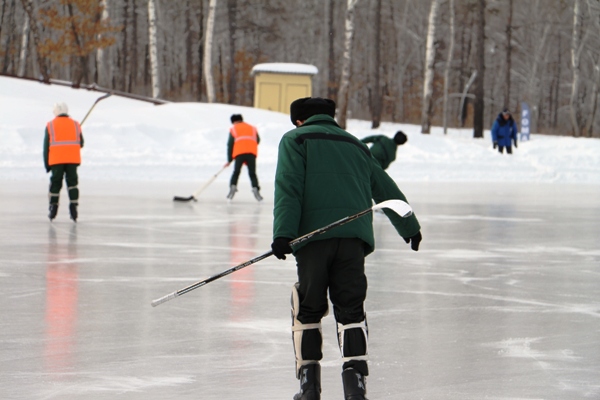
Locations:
(337, 265)
(69, 172)
(250, 161)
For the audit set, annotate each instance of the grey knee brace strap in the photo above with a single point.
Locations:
(350, 347)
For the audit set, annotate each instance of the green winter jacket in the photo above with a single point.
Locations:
(383, 149)
(325, 174)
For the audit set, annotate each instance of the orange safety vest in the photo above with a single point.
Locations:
(64, 136)
(245, 139)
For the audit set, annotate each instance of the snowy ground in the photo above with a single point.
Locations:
(128, 140)
(501, 301)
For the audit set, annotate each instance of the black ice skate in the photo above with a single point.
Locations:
(53, 210)
(310, 383)
(355, 385)
(73, 211)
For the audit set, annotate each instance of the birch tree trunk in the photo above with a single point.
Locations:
(231, 14)
(346, 65)
(42, 62)
(24, 44)
(478, 110)
(208, 42)
(574, 105)
(589, 128)
(534, 82)
(153, 49)
(331, 78)
(101, 71)
(594, 11)
(448, 64)
(508, 55)
(200, 50)
(376, 95)
(404, 56)
(427, 105)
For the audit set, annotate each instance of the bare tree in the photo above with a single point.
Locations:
(331, 84)
(576, 49)
(346, 65)
(427, 105)
(406, 53)
(594, 11)
(480, 67)
(42, 62)
(376, 92)
(24, 44)
(101, 70)
(153, 48)
(231, 14)
(448, 64)
(508, 54)
(208, 42)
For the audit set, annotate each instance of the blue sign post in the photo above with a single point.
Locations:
(524, 121)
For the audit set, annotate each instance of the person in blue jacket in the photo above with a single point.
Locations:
(504, 132)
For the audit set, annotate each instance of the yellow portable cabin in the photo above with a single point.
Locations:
(276, 85)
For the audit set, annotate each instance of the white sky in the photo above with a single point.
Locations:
(133, 140)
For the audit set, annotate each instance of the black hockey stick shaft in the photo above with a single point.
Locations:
(94, 105)
(398, 206)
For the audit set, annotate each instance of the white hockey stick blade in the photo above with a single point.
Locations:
(398, 206)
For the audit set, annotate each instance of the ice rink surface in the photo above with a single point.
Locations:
(501, 302)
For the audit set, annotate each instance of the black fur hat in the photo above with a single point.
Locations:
(400, 138)
(236, 118)
(304, 108)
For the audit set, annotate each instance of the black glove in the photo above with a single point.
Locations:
(47, 169)
(495, 145)
(414, 241)
(281, 247)
(515, 142)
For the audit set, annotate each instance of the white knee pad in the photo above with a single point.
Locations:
(350, 346)
(298, 329)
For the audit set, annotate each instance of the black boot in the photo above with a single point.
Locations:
(53, 210)
(355, 385)
(310, 383)
(73, 211)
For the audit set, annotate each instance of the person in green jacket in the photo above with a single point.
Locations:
(384, 148)
(324, 174)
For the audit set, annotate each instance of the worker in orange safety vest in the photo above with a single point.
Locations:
(242, 147)
(62, 155)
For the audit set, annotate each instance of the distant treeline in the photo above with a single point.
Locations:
(406, 60)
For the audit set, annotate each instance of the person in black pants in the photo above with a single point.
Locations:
(325, 174)
(242, 147)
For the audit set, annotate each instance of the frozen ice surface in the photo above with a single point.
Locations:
(501, 302)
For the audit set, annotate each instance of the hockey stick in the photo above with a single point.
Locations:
(94, 105)
(193, 197)
(398, 206)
